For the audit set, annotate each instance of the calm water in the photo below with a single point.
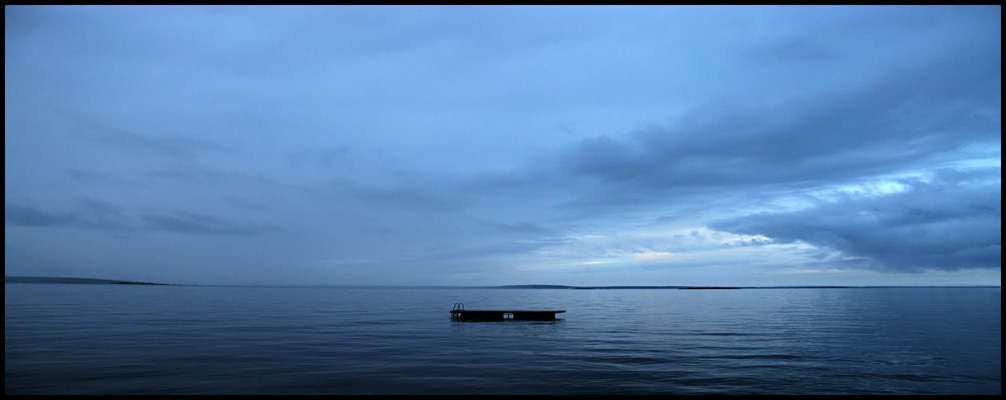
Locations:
(125, 339)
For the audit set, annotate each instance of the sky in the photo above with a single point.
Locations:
(500, 145)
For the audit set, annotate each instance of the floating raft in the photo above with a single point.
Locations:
(459, 313)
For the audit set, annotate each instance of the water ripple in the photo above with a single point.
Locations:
(90, 339)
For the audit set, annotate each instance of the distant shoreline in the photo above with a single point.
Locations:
(731, 287)
(39, 279)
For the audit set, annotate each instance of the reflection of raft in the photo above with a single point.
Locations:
(459, 313)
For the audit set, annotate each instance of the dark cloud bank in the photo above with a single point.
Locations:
(951, 223)
(91, 214)
(919, 120)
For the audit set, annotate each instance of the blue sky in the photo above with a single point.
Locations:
(471, 145)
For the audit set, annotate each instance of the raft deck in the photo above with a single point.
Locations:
(459, 313)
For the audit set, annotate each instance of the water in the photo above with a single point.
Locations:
(127, 339)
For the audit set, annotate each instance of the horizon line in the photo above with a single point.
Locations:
(71, 280)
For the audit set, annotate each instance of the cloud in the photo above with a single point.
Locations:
(893, 122)
(98, 215)
(203, 224)
(910, 117)
(176, 147)
(950, 222)
(18, 214)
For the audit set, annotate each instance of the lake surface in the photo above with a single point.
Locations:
(137, 339)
